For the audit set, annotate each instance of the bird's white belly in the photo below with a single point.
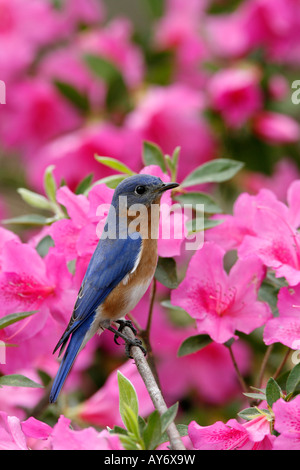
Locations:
(134, 295)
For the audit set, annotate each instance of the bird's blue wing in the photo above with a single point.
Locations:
(110, 263)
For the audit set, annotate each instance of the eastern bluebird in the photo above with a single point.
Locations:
(120, 270)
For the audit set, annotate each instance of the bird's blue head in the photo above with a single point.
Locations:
(141, 189)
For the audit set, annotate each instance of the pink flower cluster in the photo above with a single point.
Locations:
(264, 233)
(45, 127)
(32, 434)
(254, 434)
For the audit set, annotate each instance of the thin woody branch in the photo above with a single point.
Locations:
(154, 391)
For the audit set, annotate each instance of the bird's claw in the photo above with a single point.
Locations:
(122, 325)
(135, 342)
(129, 342)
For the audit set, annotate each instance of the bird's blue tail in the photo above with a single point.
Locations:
(67, 362)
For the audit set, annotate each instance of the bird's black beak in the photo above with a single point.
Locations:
(167, 186)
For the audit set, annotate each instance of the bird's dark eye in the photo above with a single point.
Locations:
(140, 189)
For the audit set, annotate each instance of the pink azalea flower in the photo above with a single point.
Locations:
(20, 35)
(253, 435)
(276, 31)
(22, 435)
(215, 380)
(15, 400)
(5, 236)
(242, 222)
(275, 239)
(285, 172)
(11, 434)
(234, 27)
(178, 30)
(171, 117)
(66, 65)
(114, 43)
(30, 283)
(73, 154)
(276, 128)
(285, 328)
(264, 226)
(83, 11)
(65, 438)
(278, 87)
(287, 423)
(222, 303)
(33, 434)
(236, 94)
(28, 123)
(65, 232)
(78, 236)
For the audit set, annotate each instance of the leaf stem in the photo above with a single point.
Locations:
(238, 372)
(264, 365)
(282, 364)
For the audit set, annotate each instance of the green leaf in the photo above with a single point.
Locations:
(152, 431)
(17, 380)
(273, 392)
(50, 183)
(199, 198)
(118, 430)
(177, 314)
(101, 67)
(175, 156)
(117, 94)
(30, 219)
(293, 379)
(142, 424)
(168, 416)
(193, 344)
(44, 245)
(255, 396)
(84, 184)
(172, 162)
(35, 199)
(14, 317)
(127, 397)
(215, 171)
(45, 378)
(110, 181)
(181, 428)
(251, 413)
(130, 420)
(268, 293)
(156, 8)
(194, 226)
(73, 95)
(115, 164)
(166, 272)
(152, 155)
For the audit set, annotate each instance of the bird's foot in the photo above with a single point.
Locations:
(129, 342)
(122, 324)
